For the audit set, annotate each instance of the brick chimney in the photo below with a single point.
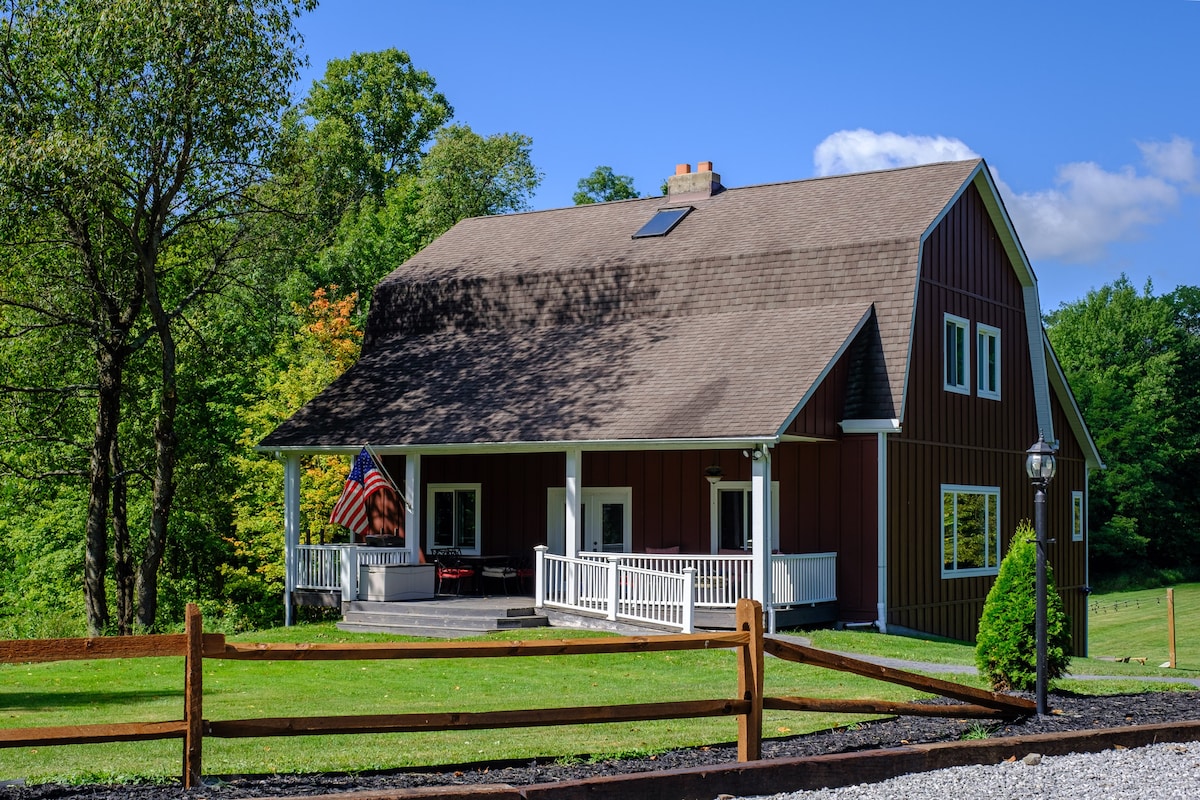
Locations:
(688, 185)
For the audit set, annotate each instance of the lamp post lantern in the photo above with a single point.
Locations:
(1039, 465)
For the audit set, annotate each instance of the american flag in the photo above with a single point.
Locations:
(365, 480)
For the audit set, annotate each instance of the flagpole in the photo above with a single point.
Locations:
(383, 471)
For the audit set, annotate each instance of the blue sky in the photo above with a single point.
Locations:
(1087, 112)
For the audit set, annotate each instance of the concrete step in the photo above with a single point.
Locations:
(464, 622)
(456, 607)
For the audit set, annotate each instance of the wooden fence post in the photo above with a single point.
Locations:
(1171, 627)
(193, 697)
(750, 680)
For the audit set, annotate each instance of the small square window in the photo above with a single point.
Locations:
(957, 355)
(988, 359)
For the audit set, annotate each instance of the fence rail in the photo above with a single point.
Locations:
(747, 703)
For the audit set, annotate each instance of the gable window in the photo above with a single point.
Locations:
(1077, 516)
(957, 355)
(970, 530)
(988, 359)
(454, 516)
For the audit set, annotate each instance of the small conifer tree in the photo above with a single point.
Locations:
(1005, 649)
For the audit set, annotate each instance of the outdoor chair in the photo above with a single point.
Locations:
(449, 566)
(502, 571)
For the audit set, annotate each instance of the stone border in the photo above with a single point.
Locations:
(771, 776)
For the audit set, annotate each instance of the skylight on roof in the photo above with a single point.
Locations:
(663, 222)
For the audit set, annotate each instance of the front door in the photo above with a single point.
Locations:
(606, 522)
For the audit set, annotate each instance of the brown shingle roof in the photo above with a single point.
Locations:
(732, 375)
(551, 325)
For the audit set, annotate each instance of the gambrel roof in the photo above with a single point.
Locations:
(558, 326)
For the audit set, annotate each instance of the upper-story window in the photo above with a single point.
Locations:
(988, 360)
(957, 374)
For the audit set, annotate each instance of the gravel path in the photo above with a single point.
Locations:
(1156, 772)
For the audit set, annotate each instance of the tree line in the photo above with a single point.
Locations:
(187, 256)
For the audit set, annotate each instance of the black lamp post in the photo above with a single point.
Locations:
(1039, 464)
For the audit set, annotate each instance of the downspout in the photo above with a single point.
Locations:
(881, 531)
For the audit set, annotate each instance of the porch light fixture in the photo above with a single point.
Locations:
(714, 474)
(755, 455)
(1040, 466)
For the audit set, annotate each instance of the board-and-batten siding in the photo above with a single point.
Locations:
(951, 438)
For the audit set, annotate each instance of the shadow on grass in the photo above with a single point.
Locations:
(43, 701)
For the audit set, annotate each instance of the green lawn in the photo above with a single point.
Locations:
(83, 692)
(151, 689)
(1134, 624)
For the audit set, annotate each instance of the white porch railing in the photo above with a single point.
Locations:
(606, 586)
(720, 580)
(331, 567)
(803, 579)
(643, 587)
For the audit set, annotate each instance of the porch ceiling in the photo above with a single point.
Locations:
(727, 375)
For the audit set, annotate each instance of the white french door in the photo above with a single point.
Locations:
(607, 520)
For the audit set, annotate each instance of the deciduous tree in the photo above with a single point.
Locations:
(130, 134)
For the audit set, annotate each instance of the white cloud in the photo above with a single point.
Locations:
(863, 150)
(1173, 161)
(1087, 208)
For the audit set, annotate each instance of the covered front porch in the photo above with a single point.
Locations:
(666, 590)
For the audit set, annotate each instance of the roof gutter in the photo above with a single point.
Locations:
(450, 448)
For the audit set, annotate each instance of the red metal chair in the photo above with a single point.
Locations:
(450, 568)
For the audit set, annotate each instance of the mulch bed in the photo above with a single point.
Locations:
(1070, 712)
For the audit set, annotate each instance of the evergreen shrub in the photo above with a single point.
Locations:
(1005, 649)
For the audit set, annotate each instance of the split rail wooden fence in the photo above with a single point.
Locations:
(747, 704)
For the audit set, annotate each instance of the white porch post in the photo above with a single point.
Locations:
(574, 507)
(412, 506)
(291, 530)
(574, 500)
(760, 527)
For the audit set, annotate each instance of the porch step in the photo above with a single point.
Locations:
(444, 617)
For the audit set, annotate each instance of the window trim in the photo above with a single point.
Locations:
(1078, 516)
(431, 492)
(982, 334)
(992, 539)
(963, 327)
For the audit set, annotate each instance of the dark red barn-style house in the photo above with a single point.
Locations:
(816, 393)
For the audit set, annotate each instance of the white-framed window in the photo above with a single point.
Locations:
(970, 530)
(987, 358)
(453, 517)
(731, 515)
(956, 374)
(1077, 521)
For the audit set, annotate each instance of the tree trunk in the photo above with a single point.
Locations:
(122, 548)
(165, 444)
(108, 411)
